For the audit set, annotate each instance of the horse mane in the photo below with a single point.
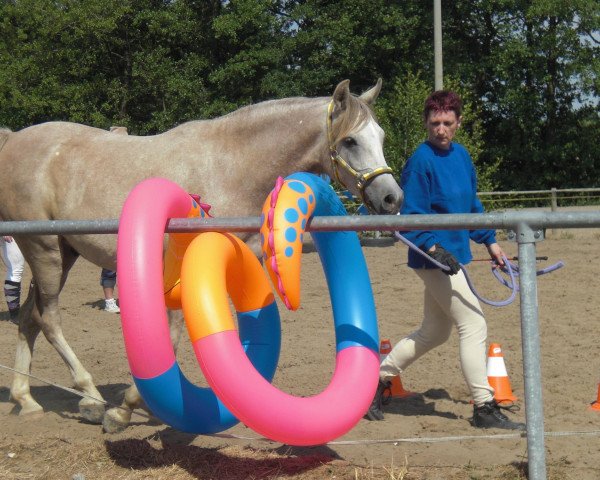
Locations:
(267, 107)
(357, 112)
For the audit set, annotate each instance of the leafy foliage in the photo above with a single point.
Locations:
(527, 71)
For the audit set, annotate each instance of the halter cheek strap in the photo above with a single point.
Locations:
(362, 178)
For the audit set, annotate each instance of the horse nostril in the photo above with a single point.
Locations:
(392, 202)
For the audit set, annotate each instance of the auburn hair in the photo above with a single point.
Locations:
(442, 101)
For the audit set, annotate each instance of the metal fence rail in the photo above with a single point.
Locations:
(553, 198)
(497, 220)
(547, 197)
(525, 227)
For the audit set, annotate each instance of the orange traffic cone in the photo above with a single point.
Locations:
(397, 389)
(497, 376)
(596, 404)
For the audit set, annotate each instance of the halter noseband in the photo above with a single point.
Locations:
(362, 179)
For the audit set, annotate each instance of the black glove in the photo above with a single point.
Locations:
(445, 258)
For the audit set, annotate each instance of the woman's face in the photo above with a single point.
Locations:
(441, 128)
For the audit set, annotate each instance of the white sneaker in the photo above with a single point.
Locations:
(110, 305)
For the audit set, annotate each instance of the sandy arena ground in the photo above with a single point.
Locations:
(60, 445)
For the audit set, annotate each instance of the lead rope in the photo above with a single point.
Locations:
(509, 268)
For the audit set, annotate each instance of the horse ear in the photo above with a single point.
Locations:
(341, 94)
(371, 95)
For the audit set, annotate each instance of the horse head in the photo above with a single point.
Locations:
(356, 149)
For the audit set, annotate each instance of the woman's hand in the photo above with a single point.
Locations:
(496, 253)
(443, 256)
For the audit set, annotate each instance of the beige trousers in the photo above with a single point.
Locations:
(448, 302)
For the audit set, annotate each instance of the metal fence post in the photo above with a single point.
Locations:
(553, 204)
(534, 407)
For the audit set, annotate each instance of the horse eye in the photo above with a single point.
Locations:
(349, 142)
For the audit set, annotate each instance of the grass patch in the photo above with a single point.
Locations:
(136, 459)
(566, 235)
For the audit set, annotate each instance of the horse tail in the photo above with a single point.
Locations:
(4, 132)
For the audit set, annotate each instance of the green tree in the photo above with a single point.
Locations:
(534, 66)
(400, 112)
(328, 41)
(248, 38)
(527, 69)
(101, 62)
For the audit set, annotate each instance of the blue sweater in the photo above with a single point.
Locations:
(441, 181)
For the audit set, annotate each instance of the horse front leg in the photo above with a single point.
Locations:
(118, 418)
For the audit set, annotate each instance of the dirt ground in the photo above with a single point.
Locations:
(412, 443)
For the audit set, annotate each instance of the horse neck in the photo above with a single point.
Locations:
(291, 132)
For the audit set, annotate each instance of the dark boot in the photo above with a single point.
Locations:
(489, 415)
(375, 411)
(12, 293)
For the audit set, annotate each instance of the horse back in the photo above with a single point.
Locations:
(63, 170)
(68, 171)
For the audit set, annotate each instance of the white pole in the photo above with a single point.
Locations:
(437, 44)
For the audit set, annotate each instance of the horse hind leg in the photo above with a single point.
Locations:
(91, 406)
(49, 277)
(29, 328)
(118, 418)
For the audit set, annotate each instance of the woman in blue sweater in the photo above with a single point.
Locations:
(440, 178)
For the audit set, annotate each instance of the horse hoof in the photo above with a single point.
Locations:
(112, 424)
(32, 412)
(92, 412)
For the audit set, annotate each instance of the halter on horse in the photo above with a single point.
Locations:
(337, 162)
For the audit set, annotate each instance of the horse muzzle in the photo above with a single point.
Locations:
(383, 196)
